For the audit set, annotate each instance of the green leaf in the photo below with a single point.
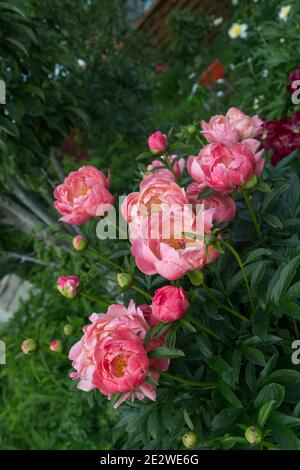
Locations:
(188, 420)
(265, 412)
(8, 127)
(291, 309)
(293, 292)
(281, 376)
(256, 254)
(254, 355)
(271, 392)
(272, 220)
(12, 9)
(229, 395)
(263, 186)
(281, 280)
(164, 352)
(285, 437)
(18, 45)
(219, 365)
(153, 424)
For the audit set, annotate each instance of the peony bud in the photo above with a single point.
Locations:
(158, 142)
(252, 181)
(196, 277)
(192, 129)
(190, 440)
(169, 303)
(79, 243)
(124, 280)
(28, 346)
(68, 329)
(56, 346)
(253, 435)
(67, 286)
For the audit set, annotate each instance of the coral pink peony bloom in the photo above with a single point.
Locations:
(158, 166)
(166, 248)
(227, 167)
(67, 285)
(232, 127)
(157, 193)
(111, 355)
(158, 142)
(83, 195)
(225, 206)
(169, 303)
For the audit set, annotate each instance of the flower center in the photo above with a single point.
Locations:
(118, 366)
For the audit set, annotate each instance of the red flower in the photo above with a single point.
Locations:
(211, 74)
(282, 136)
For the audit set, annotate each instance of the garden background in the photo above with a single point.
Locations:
(89, 81)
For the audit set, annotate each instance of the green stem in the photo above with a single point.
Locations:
(141, 291)
(105, 259)
(296, 328)
(252, 213)
(240, 263)
(184, 381)
(200, 325)
(220, 304)
(93, 299)
(170, 166)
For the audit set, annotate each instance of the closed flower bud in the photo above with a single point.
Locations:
(158, 142)
(79, 243)
(196, 277)
(124, 280)
(68, 329)
(28, 346)
(67, 286)
(56, 346)
(252, 181)
(192, 129)
(190, 440)
(169, 304)
(253, 435)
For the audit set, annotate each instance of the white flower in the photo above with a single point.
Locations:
(81, 63)
(220, 93)
(235, 2)
(284, 12)
(238, 30)
(218, 21)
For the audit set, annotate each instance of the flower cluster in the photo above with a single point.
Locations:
(111, 355)
(173, 231)
(282, 136)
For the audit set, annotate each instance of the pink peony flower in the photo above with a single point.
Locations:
(67, 286)
(158, 142)
(232, 127)
(227, 167)
(157, 193)
(166, 248)
(158, 166)
(56, 346)
(79, 243)
(225, 206)
(83, 195)
(111, 355)
(169, 303)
